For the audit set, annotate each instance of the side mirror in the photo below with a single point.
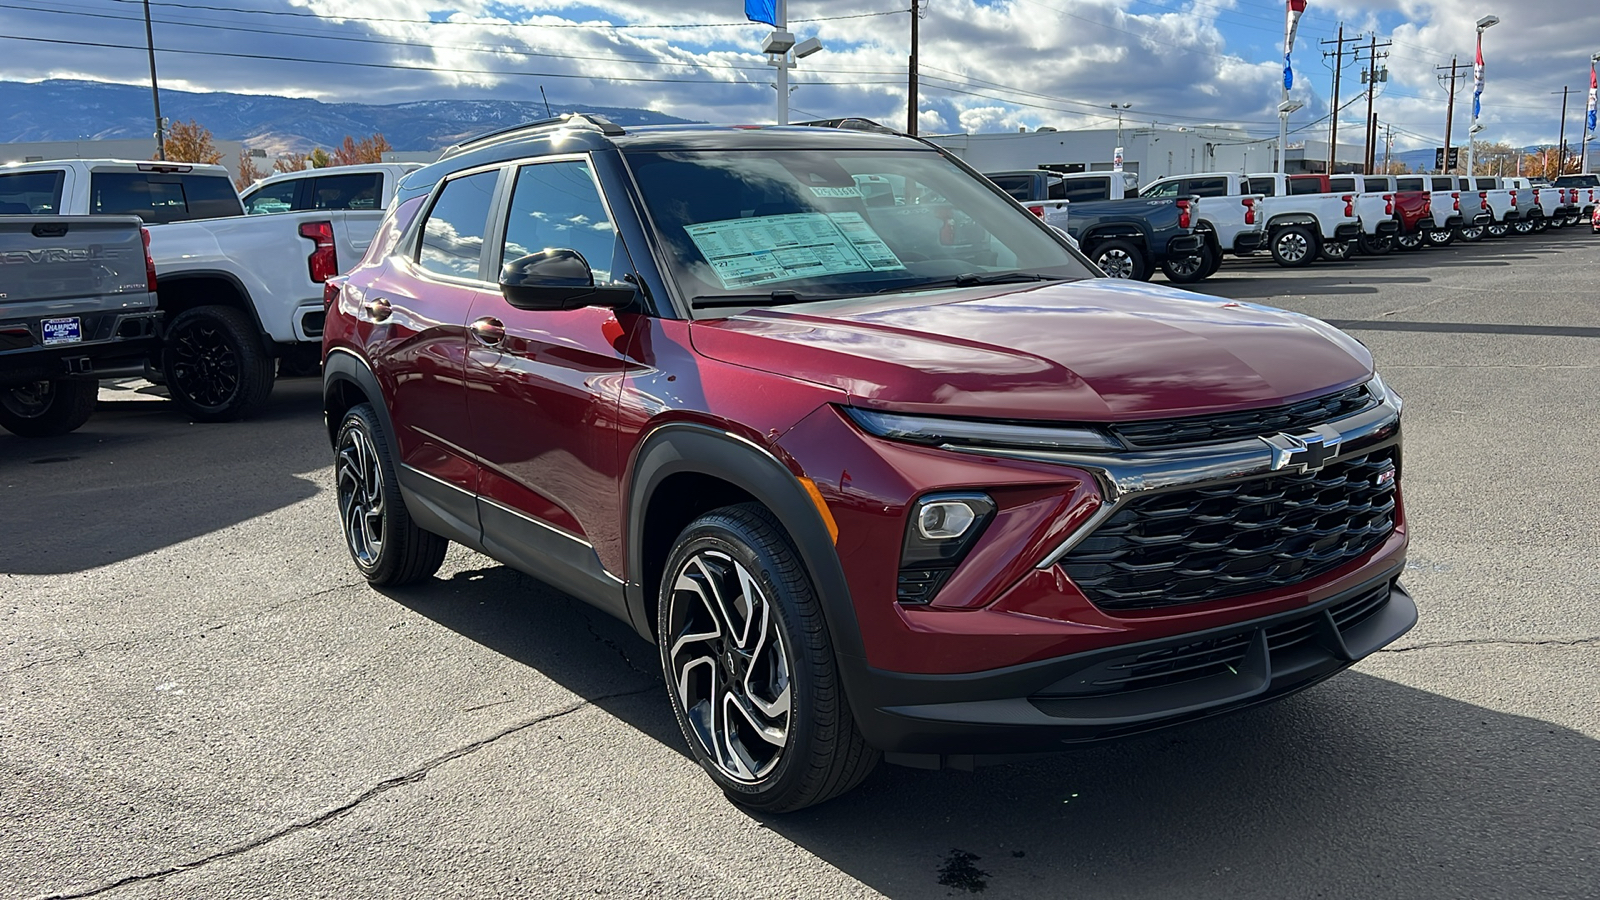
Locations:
(559, 279)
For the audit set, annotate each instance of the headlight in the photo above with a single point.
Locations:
(934, 431)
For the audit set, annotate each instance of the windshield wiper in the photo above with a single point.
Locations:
(773, 298)
(974, 279)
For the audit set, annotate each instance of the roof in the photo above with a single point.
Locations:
(145, 164)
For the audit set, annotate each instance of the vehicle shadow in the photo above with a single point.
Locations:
(140, 476)
(1360, 787)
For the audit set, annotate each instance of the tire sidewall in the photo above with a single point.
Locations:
(721, 532)
(362, 417)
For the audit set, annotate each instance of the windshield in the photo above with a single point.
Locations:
(802, 225)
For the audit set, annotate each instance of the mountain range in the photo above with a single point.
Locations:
(67, 110)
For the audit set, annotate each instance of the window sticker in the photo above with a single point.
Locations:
(837, 192)
(767, 249)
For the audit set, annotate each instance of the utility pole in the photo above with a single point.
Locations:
(1333, 117)
(1372, 76)
(155, 91)
(1561, 154)
(1449, 111)
(1388, 145)
(911, 92)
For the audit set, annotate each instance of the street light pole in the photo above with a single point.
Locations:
(155, 92)
(1484, 24)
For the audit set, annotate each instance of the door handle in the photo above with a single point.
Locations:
(379, 309)
(489, 331)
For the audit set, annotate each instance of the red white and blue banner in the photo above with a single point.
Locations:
(1593, 87)
(1291, 24)
(1477, 80)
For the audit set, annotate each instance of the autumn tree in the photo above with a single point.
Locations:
(248, 173)
(366, 150)
(320, 159)
(291, 162)
(190, 142)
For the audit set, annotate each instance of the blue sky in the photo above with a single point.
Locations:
(989, 64)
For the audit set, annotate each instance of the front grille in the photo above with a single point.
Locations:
(1222, 655)
(1250, 423)
(1224, 541)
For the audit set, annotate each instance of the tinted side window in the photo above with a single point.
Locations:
(1409, 184)
(1057, 190)
(31, 193)
(162, 197)
(356, 191)
(452, 236)
(1299, 186)
(1443, 183)
(1341, 184)
(1206, 187)
(1087, 190)
(272, 198)
(556, 204)
(1015, 185)
(1266, 187)
(1165, 189)
(210, 196)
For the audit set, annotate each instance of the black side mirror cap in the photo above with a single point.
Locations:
(559, 279)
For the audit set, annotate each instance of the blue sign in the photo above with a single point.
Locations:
(762, 11)
(1288, 74)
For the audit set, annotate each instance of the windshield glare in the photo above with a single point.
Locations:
(826, 224)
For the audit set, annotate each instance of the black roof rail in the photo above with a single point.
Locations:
(591, 121)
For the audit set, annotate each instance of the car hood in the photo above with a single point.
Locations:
(1099, 350)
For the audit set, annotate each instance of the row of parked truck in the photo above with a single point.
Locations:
(84, 243)
(1184, 225)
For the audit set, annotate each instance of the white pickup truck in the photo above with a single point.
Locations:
(1453, 208)
(236, 291)
(1229, 221)
(1300, 220)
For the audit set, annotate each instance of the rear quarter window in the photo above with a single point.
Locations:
(31, 193)
(1207, 187)
(1088, 190)
(1301, 186)
(352, 191)
(1016, 185)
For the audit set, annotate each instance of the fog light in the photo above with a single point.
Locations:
(944, 520)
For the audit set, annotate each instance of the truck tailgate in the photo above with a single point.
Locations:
(71, 263)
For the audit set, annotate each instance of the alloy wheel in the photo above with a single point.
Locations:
(361, 504)
(1440, 236)
(730, 665)
(205, 365)
(1523, 226)
(1293, 246)
(1498, 230)
(1117, 263)
(1472, 232)
(1187, 266)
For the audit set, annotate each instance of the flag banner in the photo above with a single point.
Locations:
(1477, 82)
(762, 11)
(1593, 87)
(1291, 24)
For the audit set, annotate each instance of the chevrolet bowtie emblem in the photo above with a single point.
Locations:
(1308, 451)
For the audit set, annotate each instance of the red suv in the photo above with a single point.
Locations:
(881, 464)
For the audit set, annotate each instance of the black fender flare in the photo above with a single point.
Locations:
(344, 366)
(1288, 219)
(1116, 232)
(703, 450)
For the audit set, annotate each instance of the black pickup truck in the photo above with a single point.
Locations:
(77, 302)
(1127, 238)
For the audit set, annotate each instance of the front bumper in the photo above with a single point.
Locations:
(934, 720)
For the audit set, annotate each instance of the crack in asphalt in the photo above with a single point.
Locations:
(616, 648)
(1483, 642)
(329, 815)
(129, 642)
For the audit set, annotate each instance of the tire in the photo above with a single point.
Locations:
(1213, 263)
(216, 368)
(1499, 229)
(303, 360)
(1295, 246)
(1338, 251)
(1440, 237)
(48, 408)
(1472, 233)
(1413, 241)
(1190, 269)
(1525, 226)
(387, 547)
(1123, 260)
(1541, 224)
(806, 748)
(1376, 245)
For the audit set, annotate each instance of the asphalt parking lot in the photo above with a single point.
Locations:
(203, 700)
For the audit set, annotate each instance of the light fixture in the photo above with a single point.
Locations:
(1289, 107)
(807, 47)
(777, 42)
(1487, 22)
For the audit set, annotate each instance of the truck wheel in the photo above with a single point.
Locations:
(386, 545)
(1411, 241)
(48, 408)
(303, 360)
(1190, 269)
(1376, 245)
(1440, 237)
(1122, 259)
(216, 368)
(1295, 246)
(1338, 251)
(1523, 226)
(1472, 233)
(750, 671)
(1213, 262)
(1541, 224)
(1499, 229)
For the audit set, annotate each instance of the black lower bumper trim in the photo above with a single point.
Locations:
(1348, 231)
(1118, 691)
